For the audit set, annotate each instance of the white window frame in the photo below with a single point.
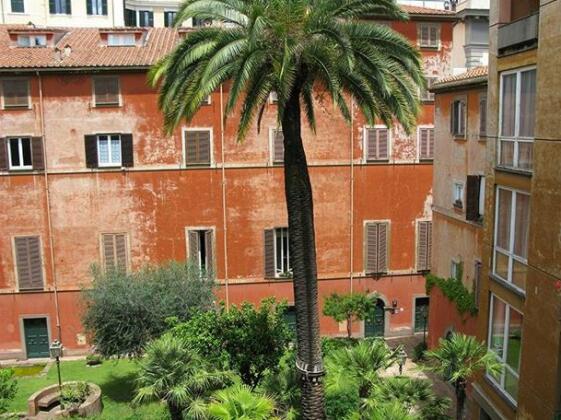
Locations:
(457, 117)
(21, 167)
(110, 139)
(273, 97)
(419, 128)
(502, 359)
(279, 271)
(481, 195)
(455, 264)
(508, 253)
(456, 184)
(184, 152)
(15, 107)
(95, 104)
(365, 143)
(516, 139)
(120, 36)
(18, 13)
(430, 25)
(200, 229)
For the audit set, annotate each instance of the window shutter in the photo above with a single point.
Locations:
(3, 154)
(423, 143)
(68, 7)
(382, 247)
(197, 147)
(108, 251)
(204, 147)
(278, 146)
(483, 116)
(371, 146)
(209, 252)
(371, 252)
(431, 143)
(91, 151)
(104, 7)
(52, 8)
(121, 252)
(193, 236)
(89, 9)
(37, 153)
(127, 156)
(472, 198)
(28, 261)
(462, 116)
(424, 245)
(269, 253)
(429, 245)
(382, 143)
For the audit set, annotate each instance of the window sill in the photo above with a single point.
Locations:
(482, 137)
(459, 137)
(374, 161)
(197, 165)
(17, 108)
(426, 159)
(500, 392)
(112, 105)
(430, 47)
(507, 285)
(506, 169)
(31, 290)
(60, 14)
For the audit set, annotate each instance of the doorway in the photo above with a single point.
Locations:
(36, 335)
(376, 326)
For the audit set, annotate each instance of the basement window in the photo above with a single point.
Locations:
(32, 40)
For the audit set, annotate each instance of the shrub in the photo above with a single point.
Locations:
(330, 344)
(350, 307)
(94, 359)
(419, 351)
(73, 395)
(8, 388)
(123, 312)
(245, 339)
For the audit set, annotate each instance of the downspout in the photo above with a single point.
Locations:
(2, 11)
(352, 182)
(224, 219)
(48, 205)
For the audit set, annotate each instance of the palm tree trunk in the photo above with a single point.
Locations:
(460, 399)
(174, 411)
(298, 190)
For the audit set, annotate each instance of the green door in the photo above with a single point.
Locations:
(375, 327)
(36, 337)
(290, 318)
(421, 314)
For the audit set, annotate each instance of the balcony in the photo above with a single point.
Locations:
(519, 35)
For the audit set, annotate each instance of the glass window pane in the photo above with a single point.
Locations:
(508, 103)
(498, 316)
(26, 151)
(525, 155)
(14, 152)
(499, 375)
(278, 265)
(521, 225)
(519, 274)
(501, 265)
(511, 383)
(527, 103)
(507, 153)
(103, 144)
(504, 200)
(115, 150)
(514, 340)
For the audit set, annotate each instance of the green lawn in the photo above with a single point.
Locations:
(116, 379)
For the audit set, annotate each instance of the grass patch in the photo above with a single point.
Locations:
(116, 379)
(28, 370)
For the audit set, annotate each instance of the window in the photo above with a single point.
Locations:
(29, 262)
(19, 153)
(483, 116)
(15, 93)
(200, 246)
(130, 17)
(424, 245)
(505, 341)
(32, 40)
(60, 7)
(145, 18)
(456, 269)
(512, 222)
(458, 118)
(109, 150)
(289, 316)
(277, 253)
(169, 19)
(197, 147)
(106, 91)
(377, 139)
(458, 195)
(18, 6)
(517, 116)
(376, 247)
(273, 97)
(426, 143)
(426, 94)
(277, 145)
(428, 35)
(96, 7)
(121, 40)
(198, 22)
(475, 197)
(115, 251)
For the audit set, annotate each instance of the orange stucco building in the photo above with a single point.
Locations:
(88, 176)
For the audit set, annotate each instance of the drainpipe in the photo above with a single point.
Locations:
(2, 11)
(48, 205)
(224, 219)
(352, 181)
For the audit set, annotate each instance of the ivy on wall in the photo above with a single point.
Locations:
(455, 291)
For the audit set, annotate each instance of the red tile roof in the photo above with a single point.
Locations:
(416, 10)
(474, 75)
(83, 47)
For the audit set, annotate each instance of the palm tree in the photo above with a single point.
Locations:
(171, 372)
(239, 402)
(359, 366)
(458, 359)
(292, 47)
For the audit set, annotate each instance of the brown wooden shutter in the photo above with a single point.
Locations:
(91, 151)
(106, 90)
(269, 253)
(209, 246)
(4, 154)
(121, 252)
(472, 198)
(204, 147)
(193, 237)
(382, 143)
(197, 147)
(383, 247)
(423, 143)
(463, 116)
(371, 144)
(452, 116)
(424, 245)
(37, 153)
(431, 143)
(108, 251)
(278, 146)
(28, 262)
(127, 155)
(371, 251)
(429, 245)
(483, 116)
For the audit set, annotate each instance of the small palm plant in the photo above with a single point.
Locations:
(171, 372)
(294, 48)
(240, 403)
(359, 366)
(458, 359)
